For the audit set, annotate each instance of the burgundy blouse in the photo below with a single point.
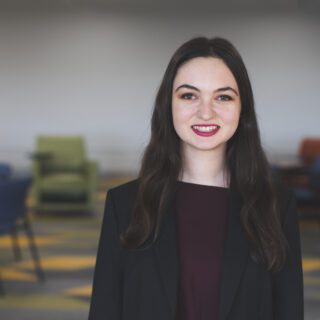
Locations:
(201, 221)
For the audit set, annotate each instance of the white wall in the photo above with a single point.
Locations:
(96, 74)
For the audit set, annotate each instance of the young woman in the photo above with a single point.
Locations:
(204, 232)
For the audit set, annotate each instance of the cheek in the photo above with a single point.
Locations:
(181, 114)
(230, 116)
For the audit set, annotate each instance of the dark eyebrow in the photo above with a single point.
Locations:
(226, 89)
(188, 86)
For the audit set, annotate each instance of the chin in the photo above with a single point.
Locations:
(207, 147)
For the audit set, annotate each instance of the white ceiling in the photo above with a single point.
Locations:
(220, 5)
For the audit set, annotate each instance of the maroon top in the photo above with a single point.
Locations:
(201, 221)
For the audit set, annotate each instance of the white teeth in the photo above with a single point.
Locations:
(205, 129)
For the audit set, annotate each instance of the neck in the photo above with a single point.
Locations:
(205, 167)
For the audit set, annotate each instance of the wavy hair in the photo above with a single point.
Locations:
(249, 171)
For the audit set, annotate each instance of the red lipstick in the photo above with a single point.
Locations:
(205, 133)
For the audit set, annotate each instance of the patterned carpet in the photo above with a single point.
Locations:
(68, 245)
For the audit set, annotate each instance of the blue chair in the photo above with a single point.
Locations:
(310, 192)
(13, 216)
(5, 171)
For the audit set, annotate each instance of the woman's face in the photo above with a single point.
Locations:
(205, 104)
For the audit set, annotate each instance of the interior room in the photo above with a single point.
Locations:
(88, 71)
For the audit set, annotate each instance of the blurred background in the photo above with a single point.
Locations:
(78, 80)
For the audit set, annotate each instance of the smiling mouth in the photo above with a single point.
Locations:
(205, 130)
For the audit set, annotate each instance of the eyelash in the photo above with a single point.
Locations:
(191, 96)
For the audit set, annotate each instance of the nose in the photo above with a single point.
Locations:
(206, 110)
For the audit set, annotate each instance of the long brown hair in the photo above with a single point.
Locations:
(249, 171)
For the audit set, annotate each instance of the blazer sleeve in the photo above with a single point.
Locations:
(105, 299)
(288, 282)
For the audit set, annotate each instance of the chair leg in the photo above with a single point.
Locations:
(15, 245)
(1, 287)
(33, 250)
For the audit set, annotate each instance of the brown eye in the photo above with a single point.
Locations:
(188, 96)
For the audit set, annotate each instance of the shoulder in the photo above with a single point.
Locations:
(285, 197)
(123, 199)
(124, 190)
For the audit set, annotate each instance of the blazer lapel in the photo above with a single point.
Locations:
(233, 262)
(166, 252)
(234, 257)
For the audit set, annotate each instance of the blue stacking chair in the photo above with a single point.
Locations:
(13, 216)
(5, 171)
(310, 193)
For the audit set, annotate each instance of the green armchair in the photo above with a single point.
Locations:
(64, 180)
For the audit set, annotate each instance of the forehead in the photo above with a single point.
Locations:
(205, 71)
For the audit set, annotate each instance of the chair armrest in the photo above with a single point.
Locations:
(36, 169)
(91, 170)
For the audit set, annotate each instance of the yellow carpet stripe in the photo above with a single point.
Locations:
(65, 262)
(40, 301)
(12, 274)
(84, 292)
(6, 242)
(310, 264)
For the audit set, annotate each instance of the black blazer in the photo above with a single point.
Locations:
(143, 284)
